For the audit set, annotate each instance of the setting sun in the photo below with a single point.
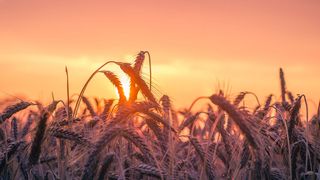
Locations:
(125, 81)
(159, 90)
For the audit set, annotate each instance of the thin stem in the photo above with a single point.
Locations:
(288, 140)
(257, 99)
(150, 72)
(194, 102)
(306, 131)
(68, 93)
(85, 86)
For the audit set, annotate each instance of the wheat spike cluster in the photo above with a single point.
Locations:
(144, 137)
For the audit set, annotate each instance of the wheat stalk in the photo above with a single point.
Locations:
(283, 86)
(236, 116)
(202, 155)
(149, 170)
(89, 106)
(126, 67)
(67, 134)
(8, 153)
(105, 165)
(38, 138)
(10, 110)
(117, 83)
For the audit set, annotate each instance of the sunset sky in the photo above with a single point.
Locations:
(196, 46)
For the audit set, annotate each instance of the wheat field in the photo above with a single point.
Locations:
(147, 138)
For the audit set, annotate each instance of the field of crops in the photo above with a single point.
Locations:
(147, 138)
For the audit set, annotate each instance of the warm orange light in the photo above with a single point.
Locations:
(125, 81)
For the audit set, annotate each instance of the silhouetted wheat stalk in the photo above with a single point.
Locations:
(143, 138)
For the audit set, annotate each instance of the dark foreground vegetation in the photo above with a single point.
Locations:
(146, 138)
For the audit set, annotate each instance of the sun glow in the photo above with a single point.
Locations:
(125, 81)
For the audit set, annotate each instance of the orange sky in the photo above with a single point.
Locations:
(195, 45)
